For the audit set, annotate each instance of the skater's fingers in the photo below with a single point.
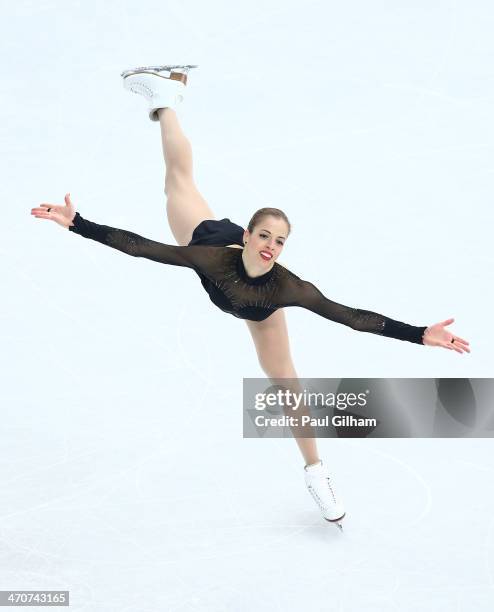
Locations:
(47, 205)
(452, 347)
(447, 322)
(462, 344)
(458, 345)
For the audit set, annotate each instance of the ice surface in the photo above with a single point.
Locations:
(125, 476)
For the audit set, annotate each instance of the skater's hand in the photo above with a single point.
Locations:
(436, 335)
(62, 215)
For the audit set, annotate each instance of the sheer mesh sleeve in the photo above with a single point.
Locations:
(198, 258)
(298, 292)
(220, 268)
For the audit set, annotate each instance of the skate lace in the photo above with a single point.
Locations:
(331, 488)
(142, 89)
(317, 498)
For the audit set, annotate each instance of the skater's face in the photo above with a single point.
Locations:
(267, 240)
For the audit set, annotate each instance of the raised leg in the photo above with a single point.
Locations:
(273, 350)
(185, 206)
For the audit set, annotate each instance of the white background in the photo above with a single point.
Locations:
(125, 477)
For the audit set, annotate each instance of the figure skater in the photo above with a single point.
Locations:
(237, 267)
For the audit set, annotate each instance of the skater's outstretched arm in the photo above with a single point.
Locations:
(297, 292)
(138, 246)
(195, 257)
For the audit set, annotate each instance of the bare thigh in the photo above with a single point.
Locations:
(185, 207)
(273, 346)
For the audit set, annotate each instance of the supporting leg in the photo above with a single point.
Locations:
(185, 206)
(272, 344)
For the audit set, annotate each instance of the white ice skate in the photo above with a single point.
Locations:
(162, 86)
(322, 490)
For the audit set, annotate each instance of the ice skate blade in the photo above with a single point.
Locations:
(336, 522)
(154, 69)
